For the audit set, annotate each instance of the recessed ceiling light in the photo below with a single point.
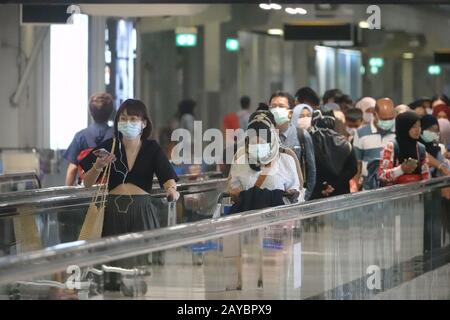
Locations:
(291, 10)
(275, 6)
(408, 55)
(275, 32)
(265, 6)
(364, 24)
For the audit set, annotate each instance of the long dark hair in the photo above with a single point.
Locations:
(135, 108)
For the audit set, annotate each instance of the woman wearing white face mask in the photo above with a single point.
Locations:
(302, 116)
(261, 164)
(430, 139)
(134, 162)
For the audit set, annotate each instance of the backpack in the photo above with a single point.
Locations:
(301, 139)
(85, 152)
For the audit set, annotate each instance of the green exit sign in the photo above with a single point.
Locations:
(376, 62)
(232, 44)
(186, 40)
(434, 70)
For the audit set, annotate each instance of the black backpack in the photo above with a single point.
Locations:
(301, 139)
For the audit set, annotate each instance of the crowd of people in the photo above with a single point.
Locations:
(296, 148)
(339, 146)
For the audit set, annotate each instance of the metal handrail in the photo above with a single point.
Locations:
(85, 253)
(13, 177)
(62, 196)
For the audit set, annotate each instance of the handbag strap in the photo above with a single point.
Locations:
(260, 180)
(106, 173)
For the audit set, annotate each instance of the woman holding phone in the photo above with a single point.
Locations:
(404, 160)
(135, 160)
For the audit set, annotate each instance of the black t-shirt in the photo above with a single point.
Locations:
(149, 160)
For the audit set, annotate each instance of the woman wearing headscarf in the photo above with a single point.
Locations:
(441, 112)
(335, 158)
(404, 160)
(430, 139)
(302, 116)
(261, 172)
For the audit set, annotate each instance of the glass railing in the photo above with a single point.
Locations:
(383, 244)
(38, 219)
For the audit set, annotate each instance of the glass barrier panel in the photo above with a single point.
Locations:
(391, 243)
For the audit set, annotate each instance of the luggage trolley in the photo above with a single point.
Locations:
(221, 208)
(90, 285)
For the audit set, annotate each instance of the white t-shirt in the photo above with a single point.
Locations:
(282, 175)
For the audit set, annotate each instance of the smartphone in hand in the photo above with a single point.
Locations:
(101, 153)
(411, 162)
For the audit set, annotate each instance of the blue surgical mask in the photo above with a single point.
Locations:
(130, 130)
(386, 125)
(429, 136)
(259, 153)
(281, 115)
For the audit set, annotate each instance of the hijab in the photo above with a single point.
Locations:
(331, 149)
(263, 123)
(298, 111)
(441, 108)
(407, 145)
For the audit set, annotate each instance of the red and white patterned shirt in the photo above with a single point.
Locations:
(389, 172)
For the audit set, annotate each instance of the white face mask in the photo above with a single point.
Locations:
(429, 136)
(281, 115)
(429, 111)
(130, 130)
(304, 123)
(367, 117)
(259, 153)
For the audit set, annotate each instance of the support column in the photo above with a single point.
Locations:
(407, 81)
(211, 109)
(97, 26)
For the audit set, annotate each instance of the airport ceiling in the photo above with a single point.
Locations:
(143, 10)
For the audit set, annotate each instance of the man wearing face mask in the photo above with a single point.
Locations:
(353, 121)
(280, 105)
(367, 106)
(370, 140)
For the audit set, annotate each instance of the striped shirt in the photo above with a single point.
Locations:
(369, 143)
